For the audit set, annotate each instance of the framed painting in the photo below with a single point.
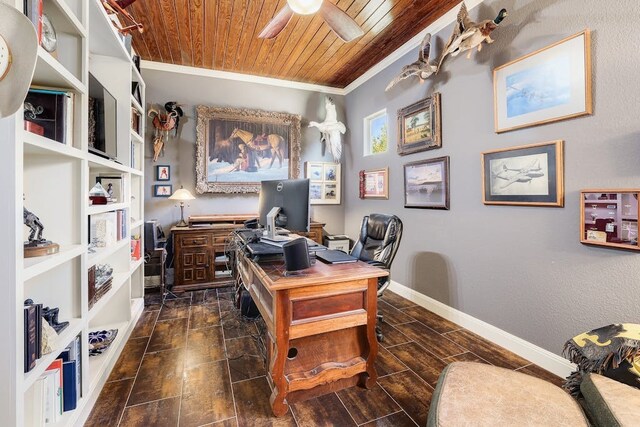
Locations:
(374, 184)
(163, 173)
(426, 184)
(530, 175)
(609, 217)
(419, 126)
(237, 148)
(550, 84)
(376, 133)
(325, 183)
(162, 190)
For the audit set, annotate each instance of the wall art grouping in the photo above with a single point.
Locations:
(325, 187)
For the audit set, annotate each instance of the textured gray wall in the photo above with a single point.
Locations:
(180, 152)
(521, 269)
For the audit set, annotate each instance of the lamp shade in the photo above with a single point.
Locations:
(182, 194)
(305, 7)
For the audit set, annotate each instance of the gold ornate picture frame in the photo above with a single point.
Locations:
(237, 148)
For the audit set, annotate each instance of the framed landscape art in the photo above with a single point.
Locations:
(530, 175)
(419, 126)
(426, 184)
(374, 184)
(550, 84)
(237, 148)
(325, 186)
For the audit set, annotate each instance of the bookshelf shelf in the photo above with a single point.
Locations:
(63, 340)
(135, 137)
(102, 254)
(63, 18)
(49, 72)
(119, 279)
(98, 209)
(56, 178)
(39, 145)
(36, 266)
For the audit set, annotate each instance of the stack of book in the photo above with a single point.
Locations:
(108, 228)
(57, 390)
(48, 112)
(32, 335)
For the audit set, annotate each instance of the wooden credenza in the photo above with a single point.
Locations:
(200, 256)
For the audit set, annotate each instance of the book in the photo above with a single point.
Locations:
(56, 366)
(34, 404)
(70, 391)
(33, 11)
(30, 349)
(75, 353)
(38, 330)
(33, 128)
(52, 403)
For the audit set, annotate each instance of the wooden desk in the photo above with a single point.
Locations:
(320, 327)
(199, 252)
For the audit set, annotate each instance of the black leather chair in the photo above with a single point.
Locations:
(377, 245)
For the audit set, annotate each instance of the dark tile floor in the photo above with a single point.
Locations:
(195, 362)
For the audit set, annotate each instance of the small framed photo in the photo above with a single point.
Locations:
(325, 186)
(376, 134)
(528, 175)
(426, 184)
(374, 184)
(550, 84)
(609, 217)
(162, 190)
(163, 173)
(419, 126)
(114, 186)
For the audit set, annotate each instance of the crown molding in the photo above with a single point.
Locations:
(409, 46)
(239, 77)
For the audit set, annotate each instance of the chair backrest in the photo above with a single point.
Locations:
(379, 239)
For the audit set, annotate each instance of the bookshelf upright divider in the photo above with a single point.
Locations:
(55, 178)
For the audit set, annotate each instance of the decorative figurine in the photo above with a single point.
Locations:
(420, 68)
(331, 130)
(468, 35)
(37, 245)
(118, 7)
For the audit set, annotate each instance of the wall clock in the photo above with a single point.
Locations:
(49, 38)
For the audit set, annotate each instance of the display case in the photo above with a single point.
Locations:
(609, 217)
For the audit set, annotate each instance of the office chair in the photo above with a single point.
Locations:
(377, 245)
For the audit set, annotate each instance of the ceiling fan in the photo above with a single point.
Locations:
(341, 23)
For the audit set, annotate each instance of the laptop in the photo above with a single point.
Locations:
(331, 256)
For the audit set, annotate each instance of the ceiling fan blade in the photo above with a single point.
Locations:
(278, 23)
(341, 23)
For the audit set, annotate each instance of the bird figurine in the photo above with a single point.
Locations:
(468, 35)
(174, 109)
(331, 130)
(118, 7)
(420, 68)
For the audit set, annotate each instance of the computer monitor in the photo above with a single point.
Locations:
(288, 201)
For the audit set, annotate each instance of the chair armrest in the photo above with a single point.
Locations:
(377, 264)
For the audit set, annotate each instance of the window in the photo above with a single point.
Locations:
(376, 140)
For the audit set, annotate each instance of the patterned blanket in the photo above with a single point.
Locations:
(613, 351)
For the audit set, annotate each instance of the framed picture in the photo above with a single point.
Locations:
(550, 84)
(426, 184)
(325, 185)
(530, 175)
(237, 148)
(114, 186)
(163, 173)
(374, 184)
(162, 190)
(376, 135)
(419, 126)
(609, 217)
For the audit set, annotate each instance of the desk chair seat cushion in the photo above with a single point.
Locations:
(609, 402)
(478, 394)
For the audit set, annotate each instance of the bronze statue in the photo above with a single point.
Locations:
(37, 245)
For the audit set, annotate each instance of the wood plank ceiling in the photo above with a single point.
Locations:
(223, 35)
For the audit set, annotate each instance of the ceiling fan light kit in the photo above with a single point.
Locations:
(305, 7)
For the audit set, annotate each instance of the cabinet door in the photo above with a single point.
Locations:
(196, 263)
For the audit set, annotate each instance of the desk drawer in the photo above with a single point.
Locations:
(220, 238)
(195, 241)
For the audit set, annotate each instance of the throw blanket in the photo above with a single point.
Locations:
(612, 351)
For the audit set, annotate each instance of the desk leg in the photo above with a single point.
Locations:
(368, 379)
(282, 323)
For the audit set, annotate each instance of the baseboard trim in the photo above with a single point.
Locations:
(541, 357)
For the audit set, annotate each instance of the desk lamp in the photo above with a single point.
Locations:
(182, 194)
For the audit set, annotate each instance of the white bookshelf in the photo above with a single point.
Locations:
(55, 179)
